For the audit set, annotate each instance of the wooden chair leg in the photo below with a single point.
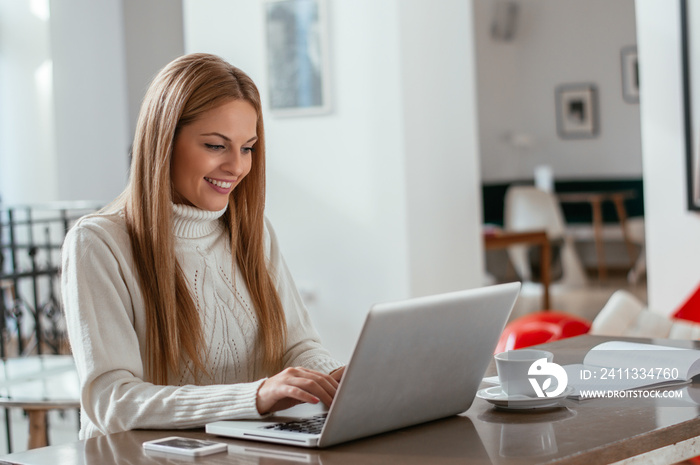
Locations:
(38, 436)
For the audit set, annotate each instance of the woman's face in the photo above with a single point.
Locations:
(213, 154)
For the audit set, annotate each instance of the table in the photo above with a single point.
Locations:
(504, 239)
(37, 384)
(596, 200)
(593, 431)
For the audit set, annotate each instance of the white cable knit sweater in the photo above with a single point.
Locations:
(107, 327)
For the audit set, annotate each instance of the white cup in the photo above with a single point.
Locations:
(512, 367)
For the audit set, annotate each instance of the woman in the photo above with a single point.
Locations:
(180, 308)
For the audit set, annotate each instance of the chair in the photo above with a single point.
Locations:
(540, 328)
(690, 309)
(625, 315)
(528, 208)
(635, 232)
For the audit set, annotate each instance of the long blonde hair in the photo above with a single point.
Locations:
(179, 94)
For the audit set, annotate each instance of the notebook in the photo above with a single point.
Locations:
(415, 360)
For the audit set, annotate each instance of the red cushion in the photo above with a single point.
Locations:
(540, 328)
(690, 310)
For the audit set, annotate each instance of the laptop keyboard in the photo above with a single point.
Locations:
(311, 425)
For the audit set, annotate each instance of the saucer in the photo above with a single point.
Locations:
(495, 396)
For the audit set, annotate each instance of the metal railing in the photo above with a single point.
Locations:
(32, 320)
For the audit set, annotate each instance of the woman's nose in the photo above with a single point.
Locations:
(233, 163)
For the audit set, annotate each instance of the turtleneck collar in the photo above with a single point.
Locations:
(191, 222)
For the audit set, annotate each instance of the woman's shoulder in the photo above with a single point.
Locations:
(99, 226)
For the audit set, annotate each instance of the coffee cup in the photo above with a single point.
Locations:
(513, 366)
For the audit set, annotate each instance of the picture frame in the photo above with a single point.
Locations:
(690, 47)
(577, 111)
(629, 67)
(297, 57)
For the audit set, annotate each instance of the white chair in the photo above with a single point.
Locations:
(528, 208)
(635, 231)
(625, 315)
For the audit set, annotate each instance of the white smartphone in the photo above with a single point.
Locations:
(185, 446)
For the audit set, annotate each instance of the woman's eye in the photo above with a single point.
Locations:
(214, 146)
(247, 149)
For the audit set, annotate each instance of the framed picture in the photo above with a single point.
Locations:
(690, 43)
(630, 74)
(297, 59)
(577, 112)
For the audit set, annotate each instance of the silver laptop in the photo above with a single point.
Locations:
(415, 361)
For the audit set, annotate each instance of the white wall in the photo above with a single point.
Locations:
(556, 42)
(339, 189)
(73, 76)
(334, 187)
(673, 232)
(92, 140)
(153, 37)
(441, 145)
(27, 153)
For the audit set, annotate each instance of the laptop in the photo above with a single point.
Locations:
(416, 360)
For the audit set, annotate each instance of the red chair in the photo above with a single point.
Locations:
(690, 310)
(540, 328)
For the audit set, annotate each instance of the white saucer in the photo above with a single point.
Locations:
(495, 396)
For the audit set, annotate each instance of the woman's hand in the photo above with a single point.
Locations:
(338, 374)
(294, 386)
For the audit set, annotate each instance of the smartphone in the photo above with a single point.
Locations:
(185, 446)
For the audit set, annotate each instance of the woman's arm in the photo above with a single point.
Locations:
(106, 327)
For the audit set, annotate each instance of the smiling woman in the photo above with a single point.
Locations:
(180, 307)
(213, 155)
